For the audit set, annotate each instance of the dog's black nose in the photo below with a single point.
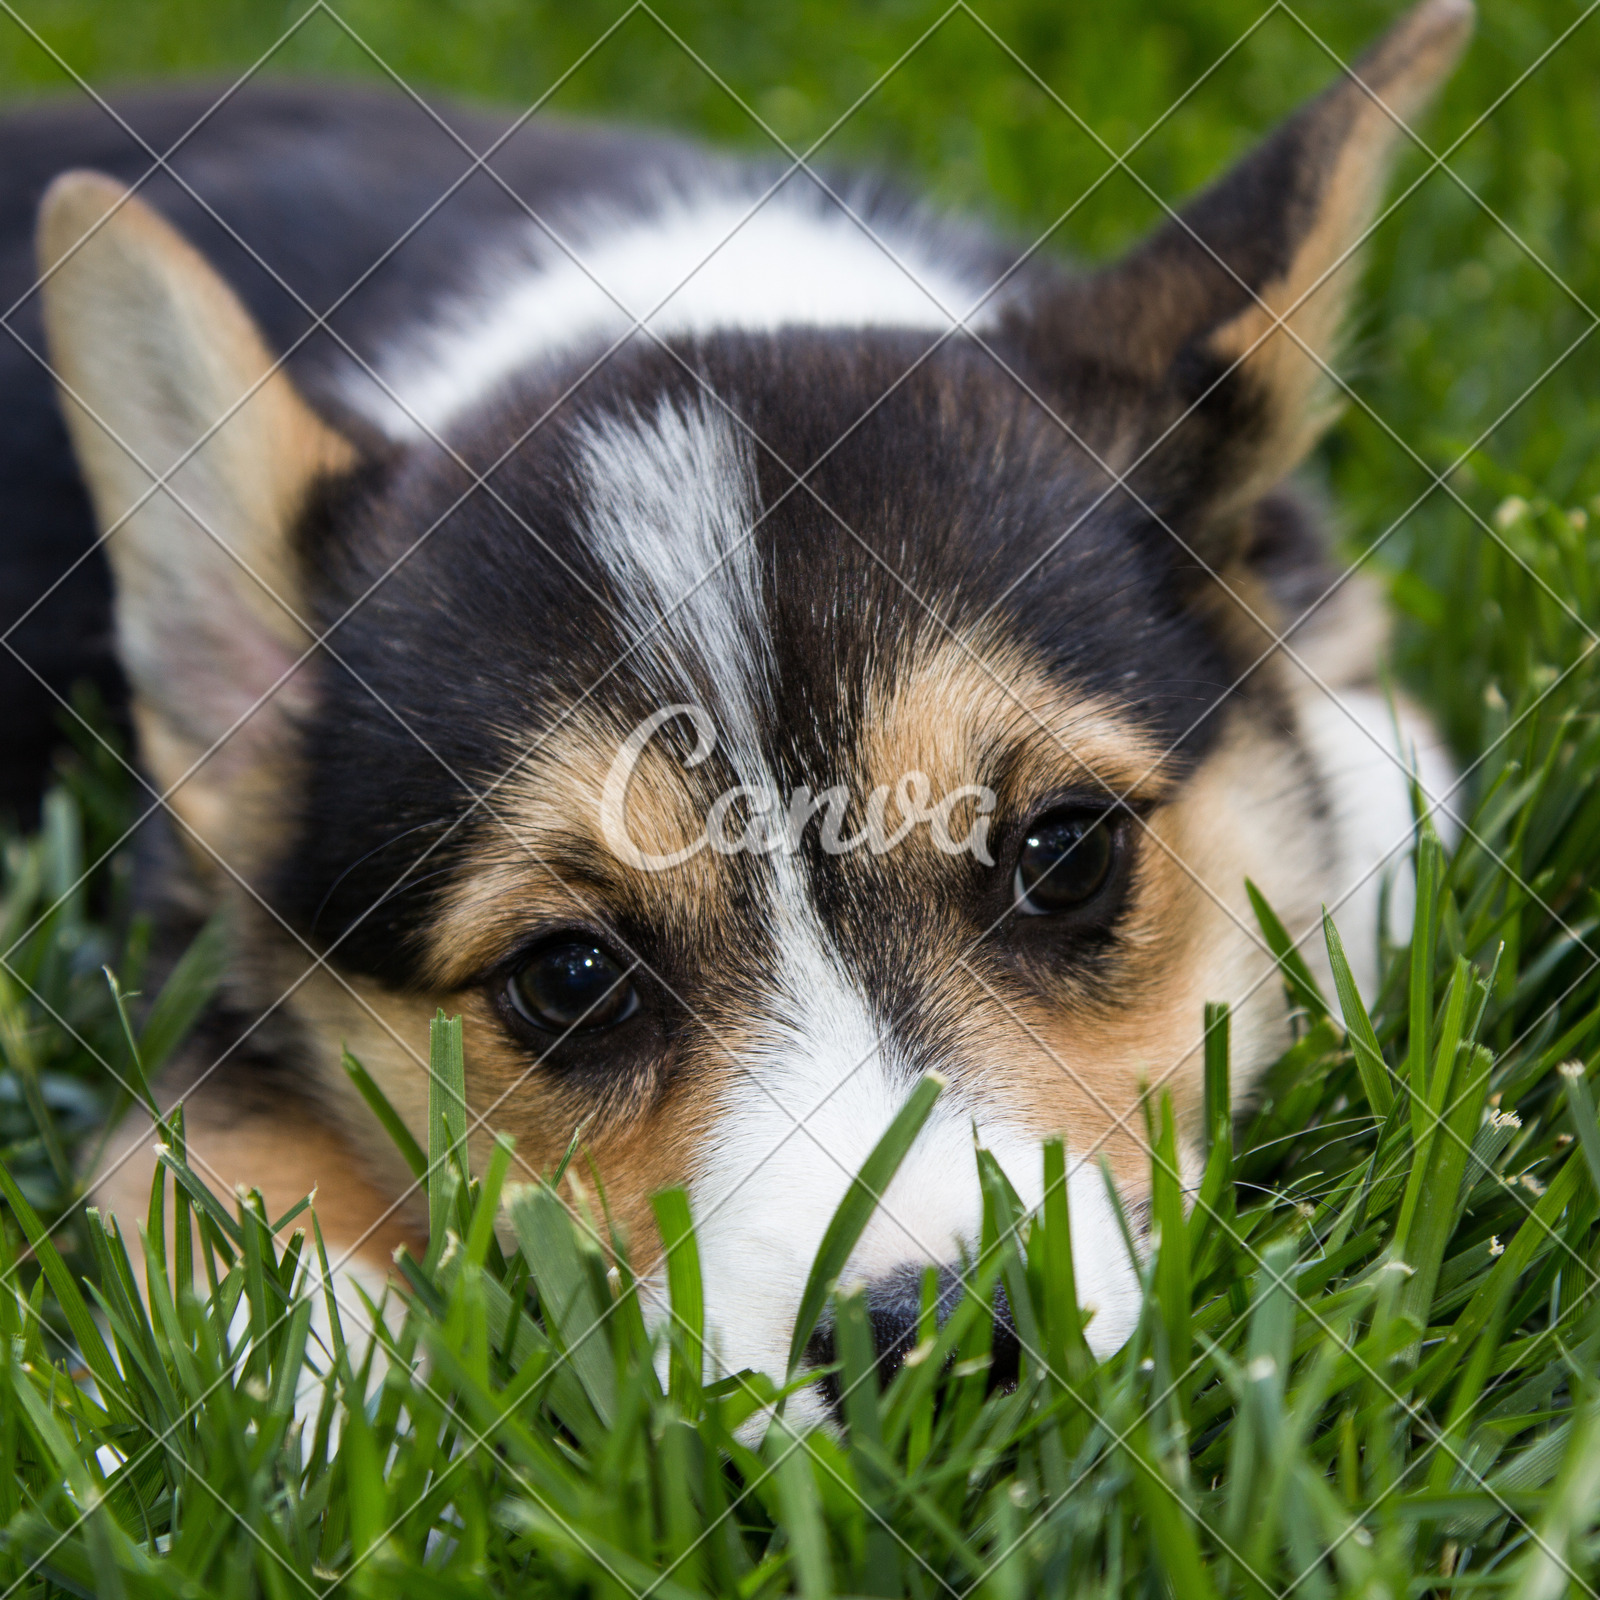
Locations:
(894, 1308)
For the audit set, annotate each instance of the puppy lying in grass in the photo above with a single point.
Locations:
(739, 639)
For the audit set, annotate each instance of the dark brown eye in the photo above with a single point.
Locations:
(572, 984)
(1066, 860)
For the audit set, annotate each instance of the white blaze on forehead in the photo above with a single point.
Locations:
(695, 265)
(806, 1103)
(669, 509)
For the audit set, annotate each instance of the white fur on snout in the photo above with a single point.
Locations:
(800, 1116)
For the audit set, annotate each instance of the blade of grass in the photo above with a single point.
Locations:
(684, 1286)
(1420, 993)
(1172, 1249)
(64, 1287)
(1358, 1024)
(568, 1297)
(447, 1126)
(802, 1516)
(858, 1379)
(1296, 974)
(1555, 1555)
(1581, 1108)
(381, 1107)
(186, 993)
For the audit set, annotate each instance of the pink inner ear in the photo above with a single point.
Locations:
(220, 676)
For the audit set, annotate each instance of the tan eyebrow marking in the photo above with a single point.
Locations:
(541, 854)
(954, 710)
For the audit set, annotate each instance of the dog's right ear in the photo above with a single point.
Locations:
(199, 456)
(1205, 355)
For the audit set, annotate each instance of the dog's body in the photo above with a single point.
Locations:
(939, 660)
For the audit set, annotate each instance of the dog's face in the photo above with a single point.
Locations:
(801, 711)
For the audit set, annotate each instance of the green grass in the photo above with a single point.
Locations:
(1367, 1363)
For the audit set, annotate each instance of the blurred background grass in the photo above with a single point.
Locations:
(1476, 289)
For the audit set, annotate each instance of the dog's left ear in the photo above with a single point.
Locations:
(1213, 337)
(199, 455)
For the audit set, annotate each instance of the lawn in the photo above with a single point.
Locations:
(1369, 1362)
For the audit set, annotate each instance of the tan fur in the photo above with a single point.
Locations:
(1069, 1065)
(949, 707)
(507, 1090)
(545, 813)
(1079, 1062)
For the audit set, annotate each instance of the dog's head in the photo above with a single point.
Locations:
(784, 715)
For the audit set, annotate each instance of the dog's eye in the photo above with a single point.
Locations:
(571, 984)
(1066, 860)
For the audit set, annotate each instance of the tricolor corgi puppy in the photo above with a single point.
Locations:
(740, 640)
